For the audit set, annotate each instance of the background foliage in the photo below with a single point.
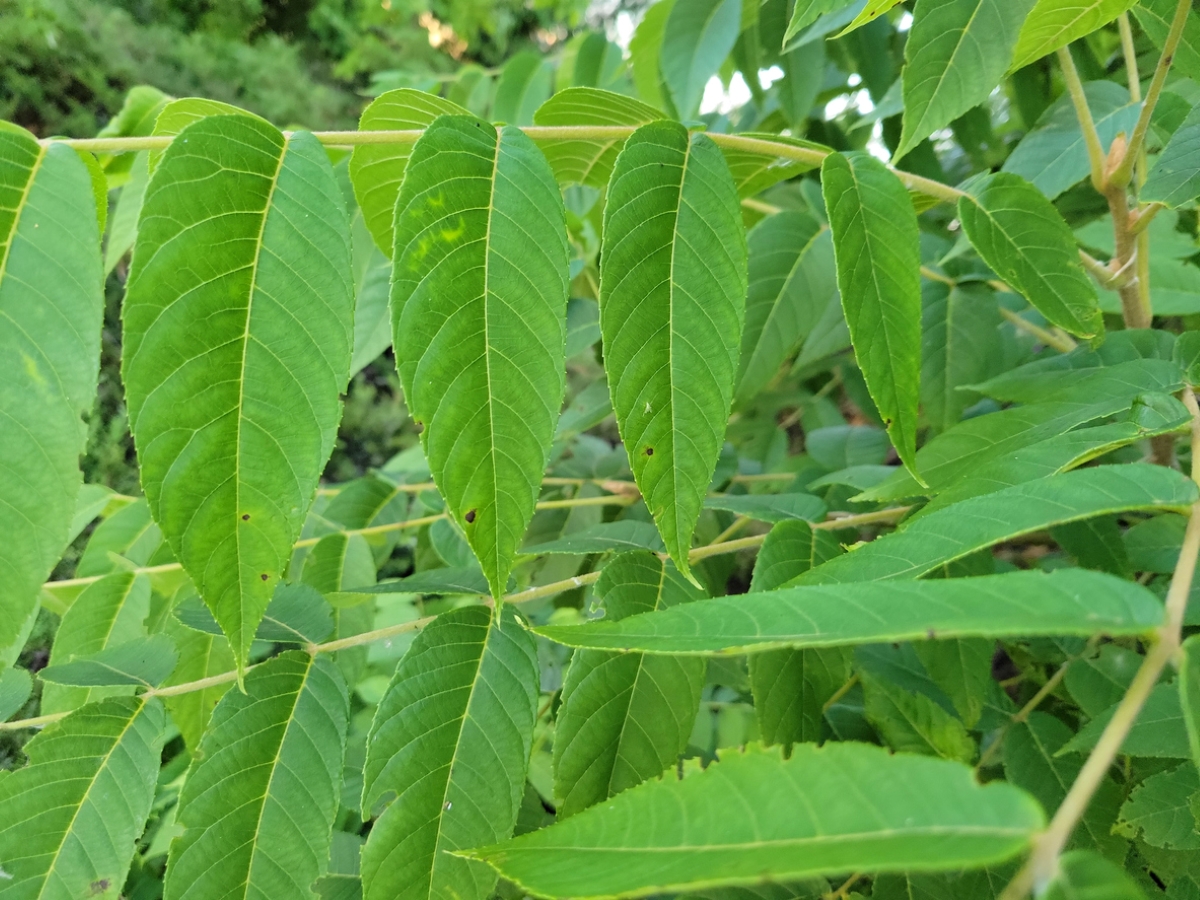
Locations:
(767, 483)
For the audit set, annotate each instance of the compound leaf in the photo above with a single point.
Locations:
(246, 231)
(479, 301)
(672, 300)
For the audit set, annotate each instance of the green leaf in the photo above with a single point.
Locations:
(791, 282)
(123, 228)
(200, 656)
(15, 688)
(433, 581)
(72, 815)
(1175, 178)
(696, 40)
(1189, 693)
(1055, 23)
(913, 723)
(108, 613)
(1026, 242)
(525, 83)
(144, 661)
(625, 717)
(1160, 809)
(588, 160)
(1083, 875)
(959, 347)
(791, 687)
(129, 533)
(829, 810)
(754, 170)
(1096, 683)
(770, 507)
(589, 59)
(372, 284)
(297, 614)
(963, 669)
(377, 170)
(1155, 18)
(1034, 761)
(450, 740)
(805, 12)
(1053, 156)
(51, 301)
(234, 422)
(1033, 386)
(1067, 601)
(645, 50)
(955, 531)
(479, 298)
(1159, 731)
(179, 114)
(672, 294)
(263, 789)
(956, 52)
(875, 236)
(1040, 460)
(792, 548)
(626, 534)
(873, 10)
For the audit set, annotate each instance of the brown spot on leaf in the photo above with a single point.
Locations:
(931, 634)
(99, 886)
(246, 517)
(649, 451)
(470, 516)
(264, 576)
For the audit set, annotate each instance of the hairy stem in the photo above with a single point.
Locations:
(809, 155)
(1123, 172)
(1091, 139)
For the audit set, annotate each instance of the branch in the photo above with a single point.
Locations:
(1124, 170)
(1042, 864)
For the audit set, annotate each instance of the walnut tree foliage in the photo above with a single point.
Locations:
(803, 503)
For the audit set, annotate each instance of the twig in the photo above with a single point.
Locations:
(525, 596)
(1124, 169)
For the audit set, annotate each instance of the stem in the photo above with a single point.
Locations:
(1124, 170)
(1061, 342)
(624, 499)
(534, 593)
(1091, 139)
(1042, 865)
(809, 155)
(932, 275)
(1130, 54)
(840, 692)
(737, 525)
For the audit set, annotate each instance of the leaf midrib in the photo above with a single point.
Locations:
(22, 204)
(239, 651)
(497, 585)
(671, 280)
(291, 720)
